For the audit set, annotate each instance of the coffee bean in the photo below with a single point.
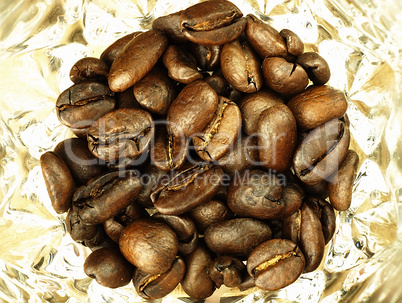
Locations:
(226, 270)
(89, 69)
(114, 50)
(207, 56)
(294, 44)
(222, 87)
(170, 26)
(78, 230)
(292, 198)
(316, 67)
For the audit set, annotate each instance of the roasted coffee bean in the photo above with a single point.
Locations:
(185, 230)
(207, 56)
(212, 22)
(113, 50)
(82, 164)
(292, 198)
(252, 105)
(264, 39)
(321, 153)
(196, 282)
(275, 264)
(209, 213)
(149, 178)
(294, 44)
(241, 66)
(304, 228)
(89, 69)
(155, 92)
(181, 65)
(192, 110)
(187, 189)
(284, 77)
(78, 230)
(340, 185)
(277, 137)
(83, 103)
(226, 270)
(100, 240)
(222, 87)
(316, 67)
(106, 196)
(56, 173)
(126, 99)
(329, 102)
(150, 245)
(123, 133)
(108, 267)
(133, 63)
(152, 287)
(220, 133)
(237, 237)
(247, 282)
(257, 194)
(325, 213)
(170, 26)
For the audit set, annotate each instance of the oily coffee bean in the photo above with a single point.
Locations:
(150, 245)
(55, 172)
(106, 196)
(113, 50)
(133, 63)
(329, 102)
(321, 153)
(196, 282)
(220, 133)
(304, 228)
(170, 26)
(237, 237)
(207, 56)
(340, 185)
(241, 66)
(277, 137)
(316, 67)
(83, 103)
(275, 264)
(122, 133)
(294, 44)
(108, 267)
(152, 287)
(212, 22)
(226, 270)
(188, 188)
(89, 69)
(257, 194)
(284, 77)
(252, 105)
(181, 65)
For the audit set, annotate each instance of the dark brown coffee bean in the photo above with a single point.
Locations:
(113, 50)
(209, 213)
(89, 69)
(58, 180)
(304, 228)
(277, 137)
(292, 198)
(212, 22)
(106, 196)
(284, 77)
(317, 105)
(226, 270)
(78, 230)
(252, 105)
(207, 56)
(325, 213)
(150, 176)
(108, 267)
(150, 245)
(222, 87)
(264, 39)
(340, 185)
(241, 66)
(152, 287)
(316, 67)
(237, 237)
(257, 194)
(100, 240)
(123, 133)
(181, 65)
(188, 188)
(82, 164)
(185, 230)
(294, 44)
(133, 63)
(155, 92)
(318, 190)
(83, 103)
(321, 153)
(170, 26)
(275, 264)
(196, 282)
(247, 282)
(126, 99)
(192, 110)
(220, 133)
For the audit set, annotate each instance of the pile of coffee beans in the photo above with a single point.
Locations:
(209, 151)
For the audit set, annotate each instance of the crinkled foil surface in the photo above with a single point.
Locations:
(41, 39)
